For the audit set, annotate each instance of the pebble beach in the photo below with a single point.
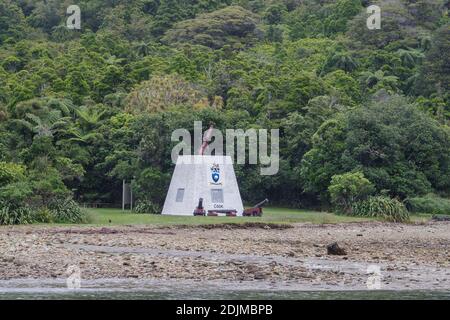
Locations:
(400, 256)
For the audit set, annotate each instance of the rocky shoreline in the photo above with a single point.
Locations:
(279, 257)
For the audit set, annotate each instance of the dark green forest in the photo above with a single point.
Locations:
(361, 112)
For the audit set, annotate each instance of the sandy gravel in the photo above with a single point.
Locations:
(409, 256)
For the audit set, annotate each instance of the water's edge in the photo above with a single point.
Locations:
(43, 289)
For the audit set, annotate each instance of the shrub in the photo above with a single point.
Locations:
(47, 184)
(147, 207)
(15, 215)
(428, 204)
(398, 147)
(345, 189)
(67, 211)
(10, 172)
(232, 25)
(43, 215)
(383, 207)
(16, 193)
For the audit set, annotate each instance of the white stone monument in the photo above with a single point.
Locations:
(209, 177)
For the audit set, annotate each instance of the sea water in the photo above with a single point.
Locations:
(224, 295)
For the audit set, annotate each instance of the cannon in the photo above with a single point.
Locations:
(256, 210)
(199, 211)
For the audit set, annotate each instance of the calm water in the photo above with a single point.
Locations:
(297, 295)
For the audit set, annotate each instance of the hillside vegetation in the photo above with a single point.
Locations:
(80, 110)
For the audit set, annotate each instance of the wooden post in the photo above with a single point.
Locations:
(123, 195)
(131, 198)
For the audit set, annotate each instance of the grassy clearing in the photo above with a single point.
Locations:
(116, 217)
(271, 215)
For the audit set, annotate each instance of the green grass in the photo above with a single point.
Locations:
(271, 215)
(102, 217)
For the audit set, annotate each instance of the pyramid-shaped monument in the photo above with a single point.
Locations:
(210, 178)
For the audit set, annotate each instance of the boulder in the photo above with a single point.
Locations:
(334, 249)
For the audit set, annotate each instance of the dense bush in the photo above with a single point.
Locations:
(233, 26)
(82, 110)
(47, 184)
(27, 196)
(10, 172)
(42, 215)
(15, 215)
(67, 211)
(396, 146)
(381, 207)
(16, 193)
(147, 207)
(60, 211)
(428, 204)
(348, 188)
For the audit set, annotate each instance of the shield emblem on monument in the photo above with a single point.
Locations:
(215, 176)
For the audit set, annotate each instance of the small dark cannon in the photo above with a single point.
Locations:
(199, 211)
(256, 210)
